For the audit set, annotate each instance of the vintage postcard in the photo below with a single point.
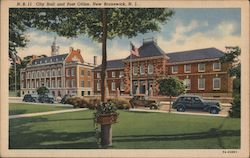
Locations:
(117, 78)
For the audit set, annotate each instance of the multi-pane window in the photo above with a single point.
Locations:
(82, 83)
(201, 83)
(150, 69)
(43, 73)
(73, 72)
(201, 67)
(28, 84)
(88, 73)
(73, 83)
(187, 84)
(68, 72)
(48, 83)
(53, 84)
(175, 69)
(98, 75)
(88, 83)
(187, 68)
(113, 86)
(121, 74)
(135, 70)
(98, 86)
(216, 66)
(48, 73)
(122, 86)
(59, 72)
(53, 73)
(37, 84)
(113, 73)
(216, 83)
(59, 83)
(68, 83)
(82, 72)
(142, 69)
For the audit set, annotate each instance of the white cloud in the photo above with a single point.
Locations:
(219, 37)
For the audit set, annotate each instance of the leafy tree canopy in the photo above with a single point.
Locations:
(171, 86)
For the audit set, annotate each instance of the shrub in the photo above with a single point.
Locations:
(77, 102)
(120, 103)
(235, 110)
(93, 103)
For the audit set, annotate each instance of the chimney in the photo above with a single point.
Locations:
(95, 60)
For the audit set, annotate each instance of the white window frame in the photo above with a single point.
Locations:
(214, 69)
(142, 69)
(185, 68)
(68, 73)
(73, 83)
(59, 83)
(199, 80)
(150, 69)
(199, 70)
(122, 85)
(184, 81)
(82, 74)
(73, 70)
(113, 86)
(98, 86)
(121, 74)
(48, 71)
(98, 75)
(135, 70)
(82, 85)
(214, 79)
(174, 72)
(113, 74)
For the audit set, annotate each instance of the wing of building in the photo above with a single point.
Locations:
(62, 74)
(200, 70)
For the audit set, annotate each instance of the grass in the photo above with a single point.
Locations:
(23, 108)
(135, 130)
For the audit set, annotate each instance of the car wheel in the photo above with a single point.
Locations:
(213, 111)
(180, 108)
(153, 107)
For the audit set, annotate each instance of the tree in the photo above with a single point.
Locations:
(42, 90)
(232, 59)
(100, 24)
(171, 86)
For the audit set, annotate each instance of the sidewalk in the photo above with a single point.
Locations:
(45, 113)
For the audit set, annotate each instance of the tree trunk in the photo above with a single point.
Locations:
(169, 110)
(106, 135)
(104, 54)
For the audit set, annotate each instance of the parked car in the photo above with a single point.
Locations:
(184, 102)
(142, 101)
(65, 97)
(46, 98)
(30, 98)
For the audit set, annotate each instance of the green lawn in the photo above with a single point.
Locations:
(135, 130)
(23, 108)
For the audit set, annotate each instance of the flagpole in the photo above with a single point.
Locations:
(131, 91)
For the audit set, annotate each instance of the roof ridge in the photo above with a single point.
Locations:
(193, 50)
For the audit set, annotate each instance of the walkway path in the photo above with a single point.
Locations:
(45, 113)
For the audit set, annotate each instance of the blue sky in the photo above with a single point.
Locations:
(188, 29)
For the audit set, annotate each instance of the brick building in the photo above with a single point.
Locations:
(61, 74)
(200, 70)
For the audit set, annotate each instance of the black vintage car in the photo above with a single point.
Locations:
(142, 101)
(184, 102)
(30, 98)
(65, 97)
(46, 98)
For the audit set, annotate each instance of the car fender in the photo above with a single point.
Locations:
(208, 107)
(154, 104)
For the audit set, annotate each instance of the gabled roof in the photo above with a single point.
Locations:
(148, 49)
(56, 58)
(191, 55)
(112, 64)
